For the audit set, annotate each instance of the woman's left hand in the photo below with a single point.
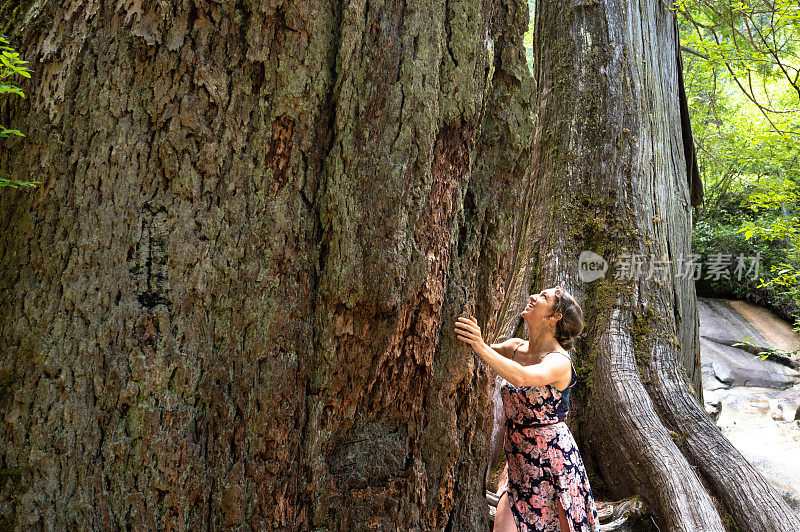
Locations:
(469, 332)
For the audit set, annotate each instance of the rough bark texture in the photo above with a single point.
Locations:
(610, 176)
(229, 303)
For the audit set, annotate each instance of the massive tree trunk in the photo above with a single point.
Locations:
(224, 305)
(610, 176)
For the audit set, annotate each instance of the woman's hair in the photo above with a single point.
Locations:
(571, 323)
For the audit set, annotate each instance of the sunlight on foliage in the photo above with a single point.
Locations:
(767, 351)
(742, 76)
(528, 41)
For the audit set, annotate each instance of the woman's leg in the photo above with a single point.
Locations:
(503, 519)
(563, 523)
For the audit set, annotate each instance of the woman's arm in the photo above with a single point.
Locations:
(545, 372)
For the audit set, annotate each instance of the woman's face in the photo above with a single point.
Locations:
(540, 305)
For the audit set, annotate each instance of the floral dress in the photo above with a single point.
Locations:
(543, 460)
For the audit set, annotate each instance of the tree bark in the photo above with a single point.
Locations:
(610, 176)
(224, 305)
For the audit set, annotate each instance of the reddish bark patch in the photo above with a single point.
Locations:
(279, 151)
(450, 166)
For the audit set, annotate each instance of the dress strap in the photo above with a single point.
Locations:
(560, 353)
(515, 350)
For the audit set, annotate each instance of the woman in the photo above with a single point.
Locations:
(547, 487)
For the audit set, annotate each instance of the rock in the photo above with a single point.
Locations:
(725, 365)
(754, 420)
(784, 409)
(722, 372)
(713, 408)
(758, 400)
(709, 377)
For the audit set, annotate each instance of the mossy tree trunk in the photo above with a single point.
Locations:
(229, 302)
(610, 175)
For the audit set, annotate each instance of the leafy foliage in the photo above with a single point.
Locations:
(11, 65)
(742, 75)
(527, 39)
(765, 352)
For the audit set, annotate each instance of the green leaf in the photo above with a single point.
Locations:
(11, 89)
(4, 132)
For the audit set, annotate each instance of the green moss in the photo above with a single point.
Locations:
(591, 226)
(600, 226)
(28, 347)
(641, 335)
(725, 515)
(730, 523)
(596, 481)
(586, 374)
(601, 299)
(8, 14)
(134, 419)
(16, 16)
(631, 498)
(8, 522)
(6, 380)
(6, 473)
